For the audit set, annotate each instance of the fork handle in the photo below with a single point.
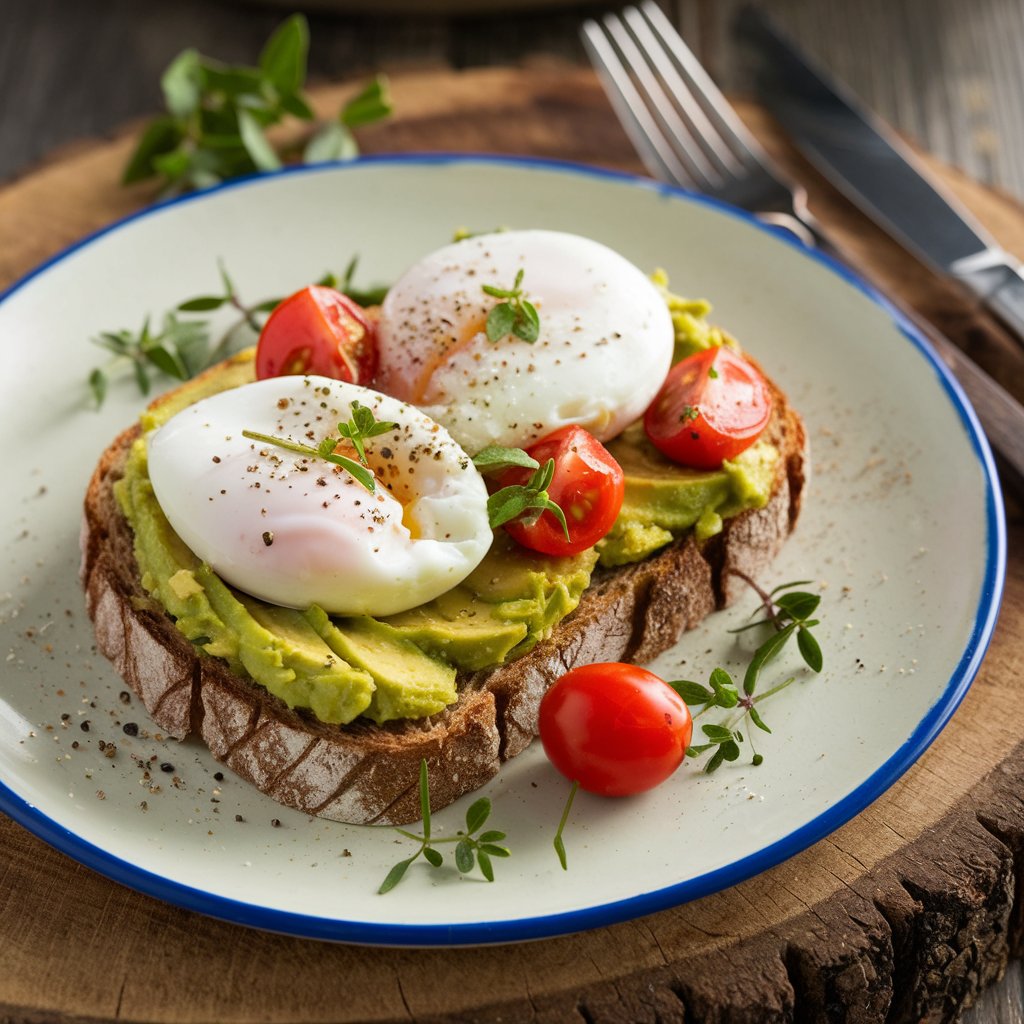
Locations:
(1001, 415)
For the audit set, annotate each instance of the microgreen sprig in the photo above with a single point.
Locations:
(523, 502)
(181, 348)
(516, 315)
(362, 425)
(788, 614)
(470, 849)
(218, 115)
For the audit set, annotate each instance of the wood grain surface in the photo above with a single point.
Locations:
(948, 73)
(901, 915)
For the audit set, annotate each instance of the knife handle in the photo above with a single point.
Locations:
(1007, 303)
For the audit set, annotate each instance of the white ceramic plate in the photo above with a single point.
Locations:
(902, 529)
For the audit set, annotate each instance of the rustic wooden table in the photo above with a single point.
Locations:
(949, 74)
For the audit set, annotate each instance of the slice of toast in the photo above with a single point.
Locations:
(364, 773)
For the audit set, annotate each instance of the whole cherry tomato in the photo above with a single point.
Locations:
(712, 406)
(318, 330)
(588, 486)
(615, 729)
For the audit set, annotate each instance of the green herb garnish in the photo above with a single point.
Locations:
(788, 614)
(470, 849)
(181, 348)
(558, 844)
(521, 502)
(218, 114)
(516, 315)
(361, 426)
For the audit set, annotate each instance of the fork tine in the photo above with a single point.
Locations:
(702, 89)
(686, 147)
(680, 98)
(655, 152)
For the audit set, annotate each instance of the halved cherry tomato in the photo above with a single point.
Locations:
(615, 729)
(318, 330)
(588, 486)
(712, 406)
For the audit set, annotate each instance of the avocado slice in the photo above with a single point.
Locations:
(279, 649)
(409, 683)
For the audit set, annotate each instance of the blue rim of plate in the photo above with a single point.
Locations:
(517, 930)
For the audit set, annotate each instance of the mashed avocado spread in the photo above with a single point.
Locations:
(405, 665)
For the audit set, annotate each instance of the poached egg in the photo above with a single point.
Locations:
(295, 530)
(604, 347)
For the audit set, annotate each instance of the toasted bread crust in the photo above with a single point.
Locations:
(364, 773)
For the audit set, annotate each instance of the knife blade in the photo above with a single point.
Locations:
(859, 154)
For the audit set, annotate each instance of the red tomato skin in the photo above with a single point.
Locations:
(616, 729)
(699, 419)
(318, 330)
(588, 486)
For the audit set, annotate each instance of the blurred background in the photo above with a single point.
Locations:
(947, 73)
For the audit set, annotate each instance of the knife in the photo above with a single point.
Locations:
(865, 160)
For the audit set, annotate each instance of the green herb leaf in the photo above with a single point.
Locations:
(434, 857)
(477, 814)
(757, 719)
(492, 836)
(283, 60)
(203, 303)
(692, 693)
(496, 851)
(160, 137)
(98, 385)
(486, 868)
(297, 107)
(166, 358)
(331, 142)
(372, 104)
(516, 316)
(717, 733)
(764, 654)
(361, 426)
(799, 605)
(395, 875)
(500, 321)
(256, 145)
(364, 476)
(464, 856)
(527, 326)
(558, 842)
(494, 458)
(725, 689)
(809, 649)
(182, 84)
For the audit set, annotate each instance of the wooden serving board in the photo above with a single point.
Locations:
(903, 914)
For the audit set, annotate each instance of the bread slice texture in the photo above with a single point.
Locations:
(364, 773)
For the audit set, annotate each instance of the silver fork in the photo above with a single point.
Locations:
(687, 133)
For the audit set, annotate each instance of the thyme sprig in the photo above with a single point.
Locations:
(788, 612)
(516, 315)
(470, 850)
(183, 347)
(218, 115)
(363, 424)
(519, 502)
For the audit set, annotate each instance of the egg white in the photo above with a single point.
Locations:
(604, 348)
(294, 530)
